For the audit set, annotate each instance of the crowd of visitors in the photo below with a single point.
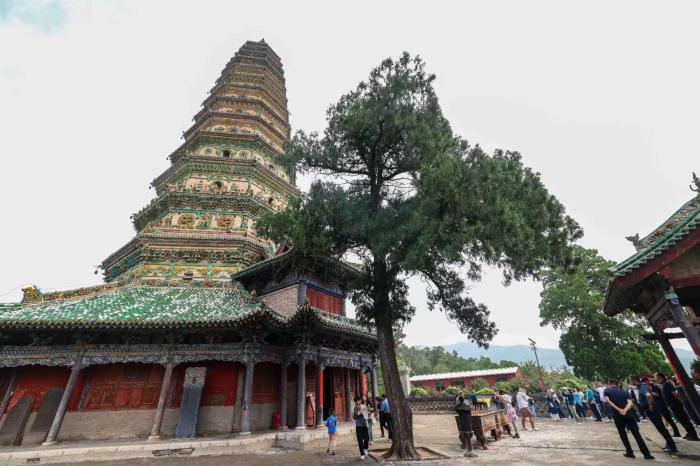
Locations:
(658, 399)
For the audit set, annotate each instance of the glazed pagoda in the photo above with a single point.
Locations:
(202, 327)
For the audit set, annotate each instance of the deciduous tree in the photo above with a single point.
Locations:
(598, 347)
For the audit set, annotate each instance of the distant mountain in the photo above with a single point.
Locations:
(550, 358)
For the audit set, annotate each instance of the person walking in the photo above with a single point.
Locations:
(680, 389)
(533, 408)
(620, 403)
(553, 406)
(674, 403)
(360, 416)
(653, 411)
(634, 396)
(603, 405)
(371, 410)
(663, 409)
(578, 404)
(571, 404)
(331, 425)
(590, 399)
(524, 408)
(378, 407)
(386, 412)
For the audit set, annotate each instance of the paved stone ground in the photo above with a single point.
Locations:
(563, 443)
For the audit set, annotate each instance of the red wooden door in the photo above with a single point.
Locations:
(124, 386)
(339, 393)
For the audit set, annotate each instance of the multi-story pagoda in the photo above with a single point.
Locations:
(203, 327)
(201, 225)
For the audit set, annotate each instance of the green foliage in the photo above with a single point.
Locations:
(452, 390)
(407, 197)
(479, 384)
(436, 360)
(419, 391)
(570, 382)
(595, 345)
(482, 391)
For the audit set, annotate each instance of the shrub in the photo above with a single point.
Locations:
(478, 384)
(419, 391)
(452, 390)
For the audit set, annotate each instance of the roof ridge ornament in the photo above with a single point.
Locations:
(696, 182)
(635, 241)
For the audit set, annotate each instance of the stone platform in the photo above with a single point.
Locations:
(563, 443)
(235, 444)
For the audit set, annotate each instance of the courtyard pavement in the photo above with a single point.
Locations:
(563, 443)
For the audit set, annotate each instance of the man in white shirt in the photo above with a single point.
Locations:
(603, 405)
(524, 409)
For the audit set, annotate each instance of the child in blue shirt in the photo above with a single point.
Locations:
(331, 424)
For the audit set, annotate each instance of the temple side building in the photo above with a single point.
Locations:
(202, 326)
(661, 282)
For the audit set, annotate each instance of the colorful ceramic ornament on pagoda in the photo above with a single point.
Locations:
(201, 226)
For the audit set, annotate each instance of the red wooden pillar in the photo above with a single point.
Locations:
(319, 397)
(363, 382)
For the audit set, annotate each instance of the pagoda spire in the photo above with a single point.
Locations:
(200, 228)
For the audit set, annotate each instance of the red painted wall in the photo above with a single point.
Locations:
(490, 379)
(36, 381)
(324, 301)
(219, 384)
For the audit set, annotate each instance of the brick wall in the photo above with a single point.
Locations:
(283, 301)
(137, 423)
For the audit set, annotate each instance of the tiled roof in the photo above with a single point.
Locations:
(287, 257)
(678, 226)
(139, 306)
(465, 374)
(133, 306)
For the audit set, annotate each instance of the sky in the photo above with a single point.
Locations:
(601, 98)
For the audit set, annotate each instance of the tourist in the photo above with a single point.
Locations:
(619, 401)
(571, 404)
(371, 410)
(663, 408)
(680, 389)
(378, 405)
(675, 404)
(513, 418)
(553, 406)
(634, 395)
(578, 404)
(603, 405)
(653, 411)
(331, 424)
(360, 415)
(533, 408)
(590, 399)
(385, 412)
(524, 408)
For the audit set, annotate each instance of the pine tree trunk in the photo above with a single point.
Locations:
(402, 418)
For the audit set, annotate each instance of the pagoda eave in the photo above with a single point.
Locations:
(238, 100)
(228, 167)
(227, 137)
(233, 117)
(194, 200)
